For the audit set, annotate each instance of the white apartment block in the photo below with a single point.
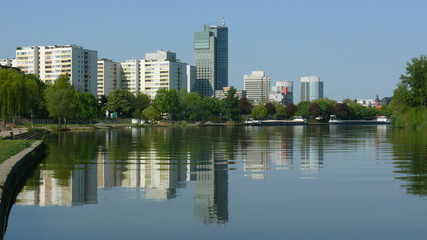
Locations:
(49, 62)
(130, 75)
(109, 77)
(8, 62)
(257, 86)
(161, 70)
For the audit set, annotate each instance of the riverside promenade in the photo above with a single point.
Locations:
(14, 172)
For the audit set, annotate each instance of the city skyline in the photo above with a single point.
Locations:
(358, 53)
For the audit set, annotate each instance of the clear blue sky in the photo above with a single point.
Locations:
(358, 48)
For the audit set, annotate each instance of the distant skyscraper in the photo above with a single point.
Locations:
(211, 58)
(257, 86)
(311, 88)
(283, 92)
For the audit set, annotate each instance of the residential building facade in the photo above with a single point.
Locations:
(109, 77)
(162, 70)
(257, 86)
(311, 88)
(49, 62)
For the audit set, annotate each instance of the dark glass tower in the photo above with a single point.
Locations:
(211, 58)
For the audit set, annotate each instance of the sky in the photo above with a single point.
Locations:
(358, 48)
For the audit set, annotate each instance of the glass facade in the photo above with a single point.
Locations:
(211, 59)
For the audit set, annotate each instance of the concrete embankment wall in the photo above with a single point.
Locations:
(13, 174)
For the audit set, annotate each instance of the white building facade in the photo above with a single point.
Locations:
(257, 86)
(109, 77)
(49, 62)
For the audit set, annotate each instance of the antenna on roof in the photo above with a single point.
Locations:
(223, 21)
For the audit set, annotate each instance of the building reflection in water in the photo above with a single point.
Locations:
(145, 171)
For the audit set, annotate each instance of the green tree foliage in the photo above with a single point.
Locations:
(290, 110)
(271, 109)
(150, 114)
(326, 107)
(415, 82)
(60, 100)
(211, 109)
(192, 106)
(303, 109)
(19, 94)
(245, 107)
(259, 112)
(314, 110)
(409, 104)
(168, 102)
(121, 101)
(343, 111)
(87, 107)
(141, 102)
(230, 105)
(280, 112)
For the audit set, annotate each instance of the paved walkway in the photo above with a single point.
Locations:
(5, 133)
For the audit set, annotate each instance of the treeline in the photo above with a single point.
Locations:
(409, 104)
(27, 96)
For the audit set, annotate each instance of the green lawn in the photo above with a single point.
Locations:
(9, 148)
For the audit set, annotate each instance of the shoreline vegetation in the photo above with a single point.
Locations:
(10, 148)
(27, 97)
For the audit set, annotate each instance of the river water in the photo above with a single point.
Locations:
(293, 182)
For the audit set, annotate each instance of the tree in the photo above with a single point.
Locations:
(343, 111)
(168, 102)
(86, 106)
(192, 105)
(259, 112)
(415, 82)
(271, 109)
(19, 94)
(245, 107)
(303, 109)
(121, 101)
(210, 108)
(290, 110)
(150, 114)
(229, 105)
(280, 112)
(326, 107)
(141, 102)
(314, 110)
(60, 99)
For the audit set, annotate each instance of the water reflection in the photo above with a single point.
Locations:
(155, 163)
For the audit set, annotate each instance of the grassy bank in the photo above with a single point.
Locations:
(9, 148)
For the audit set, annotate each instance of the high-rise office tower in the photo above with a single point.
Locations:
(257, 86)
(211, 58)
(311, 88)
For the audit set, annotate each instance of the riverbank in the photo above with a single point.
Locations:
(10, 148)
(13, 173)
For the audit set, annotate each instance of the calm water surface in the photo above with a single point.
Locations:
(300, 182)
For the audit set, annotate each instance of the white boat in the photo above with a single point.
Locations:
(299, 119)
(383, 119)
(333, 120)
